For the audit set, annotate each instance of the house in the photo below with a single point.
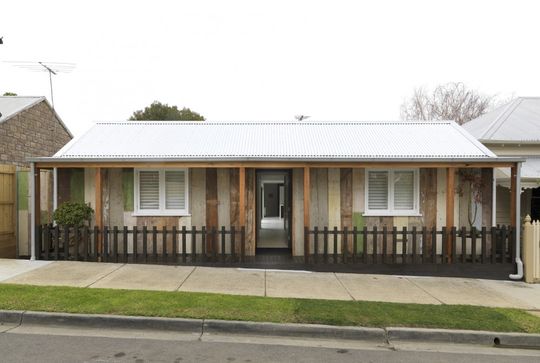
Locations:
(28, 127)
(282, 182)
(513, 130)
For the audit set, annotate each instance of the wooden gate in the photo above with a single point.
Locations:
(8, 212)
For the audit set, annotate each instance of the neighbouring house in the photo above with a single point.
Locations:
(280, 181)
(28, 127)
(513, 130)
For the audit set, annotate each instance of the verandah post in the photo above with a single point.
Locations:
(450, 179)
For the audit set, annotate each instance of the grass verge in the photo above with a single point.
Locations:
(250, 308)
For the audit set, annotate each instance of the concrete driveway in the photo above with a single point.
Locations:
(275, 283)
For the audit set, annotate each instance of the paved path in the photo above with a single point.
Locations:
(275, 283)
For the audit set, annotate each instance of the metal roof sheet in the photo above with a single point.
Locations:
(518, 120)
(180, 140)
(12, 105)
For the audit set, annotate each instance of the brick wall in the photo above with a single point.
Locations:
(33, 132)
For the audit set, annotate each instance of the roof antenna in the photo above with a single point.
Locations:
(301, 117)
(51, 67)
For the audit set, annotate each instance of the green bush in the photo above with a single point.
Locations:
(73, 214)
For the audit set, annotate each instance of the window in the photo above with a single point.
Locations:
(392, 192)
(161, 191)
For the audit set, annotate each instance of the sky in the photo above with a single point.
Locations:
(266, 60)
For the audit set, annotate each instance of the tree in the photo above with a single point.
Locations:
(9, 94)
(158, 111)
(451, 101)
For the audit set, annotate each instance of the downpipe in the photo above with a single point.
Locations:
(519, 263)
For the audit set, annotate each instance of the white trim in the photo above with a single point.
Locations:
(391, 211)
(162, 211)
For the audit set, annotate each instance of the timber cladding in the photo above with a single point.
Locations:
(8, 213)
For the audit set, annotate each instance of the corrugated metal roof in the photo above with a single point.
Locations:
(518, 120)
(12, 105)
(179, 140)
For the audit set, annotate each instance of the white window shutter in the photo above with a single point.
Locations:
(149, 189)
(403, 190)
(378, 190)
(175, 189)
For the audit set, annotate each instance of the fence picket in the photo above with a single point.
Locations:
(404, 245)
(125, 243)
(394, 244)
(453, 238)
(193, 244)
(484, 245)
(145, 243)
(242, 243)
(56, 242)
(233, 244)
(414, 246)
(335, 233)
(385, 244)
(473, 244)
(174, 251)
(345, 244)
(154, 242)
(375, 243)
(184, 254)
(316, 244)
(463, 244)
(325, 242)
(115, 243)
(66, 242)
(135, 243)
(223, 243)
(355, 243)
(434, 245)
(105, 245)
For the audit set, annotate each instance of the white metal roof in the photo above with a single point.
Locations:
(12, 105)
(518, 120)
(294, 141)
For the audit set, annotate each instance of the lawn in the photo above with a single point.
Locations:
(280, 310)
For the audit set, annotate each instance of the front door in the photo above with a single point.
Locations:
(273, 211)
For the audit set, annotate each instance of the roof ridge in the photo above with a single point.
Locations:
(509, 108)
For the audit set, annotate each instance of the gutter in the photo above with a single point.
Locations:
(519, 263)
(304, 159)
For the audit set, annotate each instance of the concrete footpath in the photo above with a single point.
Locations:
(275, 283)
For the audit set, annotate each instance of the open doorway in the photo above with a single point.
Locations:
(273, 211)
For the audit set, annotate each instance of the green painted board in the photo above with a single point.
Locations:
(358, 222)
(77, 185)
(22, 190)
(127, 189)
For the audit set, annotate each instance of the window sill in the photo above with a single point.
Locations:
(391, 214)
(160, 214)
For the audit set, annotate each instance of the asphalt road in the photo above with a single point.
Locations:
(44, 347)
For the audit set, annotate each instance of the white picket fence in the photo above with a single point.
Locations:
(531, 250)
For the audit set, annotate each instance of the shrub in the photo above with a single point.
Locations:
(73, 214)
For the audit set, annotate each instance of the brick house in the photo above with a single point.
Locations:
(29, 127)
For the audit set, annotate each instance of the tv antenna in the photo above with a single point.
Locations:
(301, 117)
(53, 68)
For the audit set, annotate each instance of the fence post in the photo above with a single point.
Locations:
(528, 249)
(306, 243)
